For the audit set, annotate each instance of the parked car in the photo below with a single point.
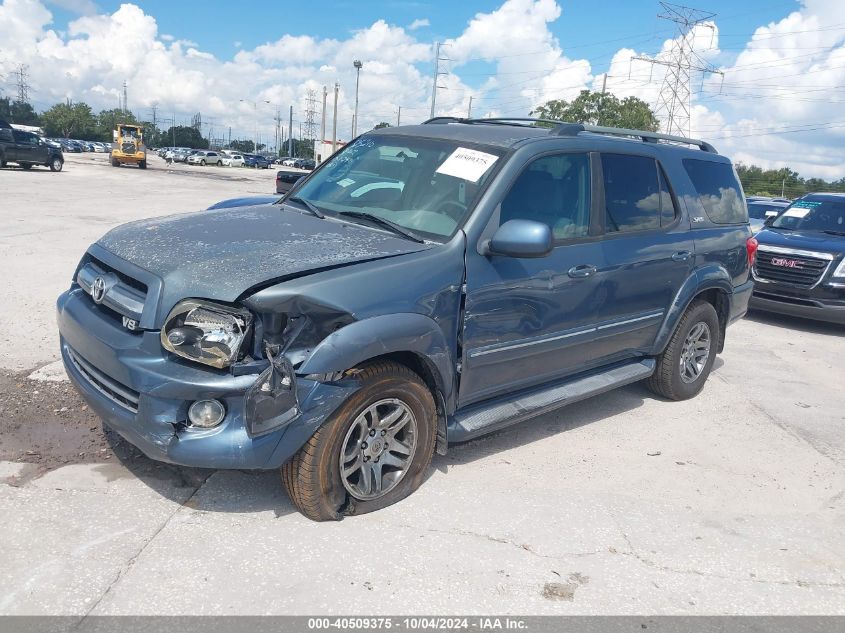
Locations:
(71, 146)
(248, 201)
(205, 158)
(289, 162)
(183, 155)
(27, 149)
(308, 164)
(233, 160)
(800, 266)
(427, 285)
(286, 179)
(256, 160)
(280, 161)
(760, 210)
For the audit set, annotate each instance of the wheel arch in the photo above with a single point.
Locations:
(710, 283)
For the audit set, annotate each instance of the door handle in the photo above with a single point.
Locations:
(682, 256)
(584, 270)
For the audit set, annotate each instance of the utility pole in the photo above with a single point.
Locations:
(399, 117)
(153, 112)
(469, 109)
(290, 133)
(437, 73)
(319, 157)
(673, 103)
(334, 120)
(604, 84)
(358, 65)
(125, 102)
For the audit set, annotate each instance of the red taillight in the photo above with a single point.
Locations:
(751, 247)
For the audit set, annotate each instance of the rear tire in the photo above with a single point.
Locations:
(56, 164)
(684, 365)
(115, 162)
(142, 164)
(313, 478)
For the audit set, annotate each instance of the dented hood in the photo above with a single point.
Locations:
(220, 254)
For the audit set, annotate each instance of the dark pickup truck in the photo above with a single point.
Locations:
(27, 149)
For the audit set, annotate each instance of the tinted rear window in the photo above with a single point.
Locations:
(718, 190)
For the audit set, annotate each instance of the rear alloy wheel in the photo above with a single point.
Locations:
(684, 365)
(56, 164)
(372, 452)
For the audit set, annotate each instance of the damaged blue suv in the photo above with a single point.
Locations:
(426, 285)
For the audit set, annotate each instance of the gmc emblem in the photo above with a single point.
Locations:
(786, 263)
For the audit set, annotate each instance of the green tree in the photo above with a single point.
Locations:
(18, 112)
(381, 125)
(596, 108)
(108, 119)
(785, 181)
(186, 136)
(65, 119)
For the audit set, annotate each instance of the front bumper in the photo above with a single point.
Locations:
(143, 393)
(825, 302)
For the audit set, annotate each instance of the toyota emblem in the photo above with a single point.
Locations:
(98, 290)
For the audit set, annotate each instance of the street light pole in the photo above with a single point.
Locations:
(255, 131)
(358, 65)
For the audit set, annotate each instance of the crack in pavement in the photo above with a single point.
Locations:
(127, 566)
(521, 546)
(632, 552)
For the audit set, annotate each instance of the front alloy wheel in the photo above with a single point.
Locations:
(378, 449)
(372, 451)
(56, 164)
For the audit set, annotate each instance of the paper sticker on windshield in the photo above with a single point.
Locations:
(346, 182)
(468, 164)
(796, 212)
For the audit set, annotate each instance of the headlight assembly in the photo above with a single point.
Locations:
(206, 332)
(840, 270)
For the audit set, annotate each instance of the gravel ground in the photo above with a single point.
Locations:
(730, 503)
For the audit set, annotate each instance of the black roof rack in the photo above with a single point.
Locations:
(563, 128)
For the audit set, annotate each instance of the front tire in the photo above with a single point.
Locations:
(683, 367)
(56, 164)
(372, 452)
(142, 164)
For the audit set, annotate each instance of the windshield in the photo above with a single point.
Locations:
(813, 215)
(427, 186)
(762, 210)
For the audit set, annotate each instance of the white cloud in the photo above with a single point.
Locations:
(507, 58)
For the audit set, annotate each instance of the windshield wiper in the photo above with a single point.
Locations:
(833, 232)
(375, 219)
(308, 205)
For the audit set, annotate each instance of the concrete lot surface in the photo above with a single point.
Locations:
(730, 503)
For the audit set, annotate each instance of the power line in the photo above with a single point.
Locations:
(437, 74)
(22, 83)
(673, 103)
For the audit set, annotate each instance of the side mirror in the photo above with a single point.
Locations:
(521, 238)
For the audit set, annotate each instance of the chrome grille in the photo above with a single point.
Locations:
(123, 296)
(120, 394)
(785, 267)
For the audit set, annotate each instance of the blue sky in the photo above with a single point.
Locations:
(595, 30)
(782, 99)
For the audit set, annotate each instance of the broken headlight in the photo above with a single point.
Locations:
(206, 332)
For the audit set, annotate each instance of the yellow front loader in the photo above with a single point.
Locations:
(128, 148)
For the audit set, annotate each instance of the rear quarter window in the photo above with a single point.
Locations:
(718, 191)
